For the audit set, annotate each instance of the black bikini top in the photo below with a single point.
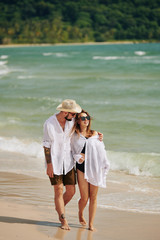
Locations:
(83, 150)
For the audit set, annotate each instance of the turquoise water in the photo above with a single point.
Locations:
(119, 85)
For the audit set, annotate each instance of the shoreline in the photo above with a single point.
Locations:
(28, 212)
(41, 193)
(74, 44)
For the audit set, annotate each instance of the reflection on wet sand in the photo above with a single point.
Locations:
(80, 233)
(60, 234)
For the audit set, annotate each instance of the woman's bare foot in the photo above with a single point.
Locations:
(82, 220)
(91, 228)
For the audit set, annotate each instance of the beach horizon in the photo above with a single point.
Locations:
(76, 43)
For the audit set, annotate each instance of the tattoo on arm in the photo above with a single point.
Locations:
(47, 154)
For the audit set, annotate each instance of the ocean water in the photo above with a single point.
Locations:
(119, 85)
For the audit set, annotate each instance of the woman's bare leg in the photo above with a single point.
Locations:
(93, 190)
(83, 188)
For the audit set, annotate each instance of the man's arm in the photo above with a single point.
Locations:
(49, 162)
(47, 155)
(100, 136)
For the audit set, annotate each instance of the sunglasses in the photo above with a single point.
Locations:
(73, 114)
(84, 118)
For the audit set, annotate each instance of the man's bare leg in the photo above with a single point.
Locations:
(69, 193)
(59, 204)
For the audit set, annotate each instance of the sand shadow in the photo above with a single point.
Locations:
(28, 221)
(5, 219)
(60, 234)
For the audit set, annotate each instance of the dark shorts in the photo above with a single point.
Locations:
(68, 179)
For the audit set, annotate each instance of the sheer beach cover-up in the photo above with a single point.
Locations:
(96, 161)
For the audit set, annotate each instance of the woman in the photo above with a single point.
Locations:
(91, 163)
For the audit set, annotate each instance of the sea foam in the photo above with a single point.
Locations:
(47, 54)
(32, 149)
(3, 63)
(4, 57)
(108, 57)
(140, 53)
(58, 54)
(3, 68)
(140, 164)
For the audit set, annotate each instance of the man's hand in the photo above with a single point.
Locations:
(100, 136)
(50, 170)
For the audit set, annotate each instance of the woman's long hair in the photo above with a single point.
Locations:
(76, 126)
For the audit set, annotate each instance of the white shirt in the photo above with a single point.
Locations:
(59, 143)
(96, 161)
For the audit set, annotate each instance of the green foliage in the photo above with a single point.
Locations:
(54, 21)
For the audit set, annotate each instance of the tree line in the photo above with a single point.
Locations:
(67, 21)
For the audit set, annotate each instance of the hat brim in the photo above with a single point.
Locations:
(77, 109)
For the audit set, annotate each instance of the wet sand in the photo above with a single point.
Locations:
(29, 216)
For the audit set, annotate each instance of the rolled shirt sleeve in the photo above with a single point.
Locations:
(77, 157)
(46, 137)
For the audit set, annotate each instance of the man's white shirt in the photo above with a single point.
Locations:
(59, 142)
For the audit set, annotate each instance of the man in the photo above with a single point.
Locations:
(60, 164)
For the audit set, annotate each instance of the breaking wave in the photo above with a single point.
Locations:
(143, 164)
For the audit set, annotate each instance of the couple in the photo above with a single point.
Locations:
(69, 139)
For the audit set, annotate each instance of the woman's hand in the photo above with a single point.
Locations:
(81, 160)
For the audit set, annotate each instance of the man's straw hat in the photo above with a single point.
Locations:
(69, 105)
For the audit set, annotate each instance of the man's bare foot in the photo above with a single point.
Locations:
(82, 220)
(64, 223)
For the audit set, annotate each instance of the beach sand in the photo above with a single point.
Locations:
(25, 215)
(76, 43)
